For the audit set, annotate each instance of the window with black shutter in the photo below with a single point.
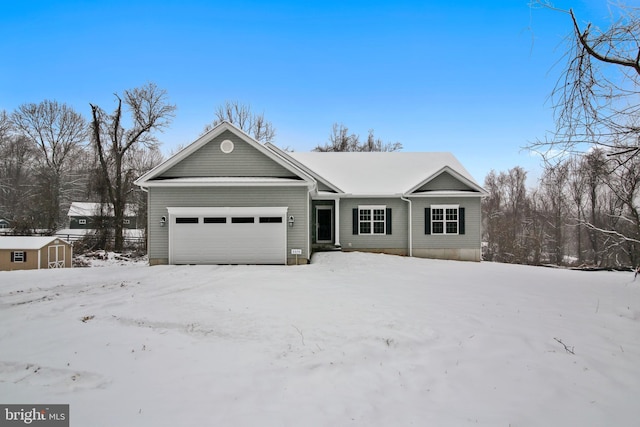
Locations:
(444, 219)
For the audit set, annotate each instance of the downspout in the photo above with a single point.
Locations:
(410, 226)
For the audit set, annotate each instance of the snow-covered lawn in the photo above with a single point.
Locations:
(351, 340)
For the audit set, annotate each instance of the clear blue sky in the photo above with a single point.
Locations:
(470, 77)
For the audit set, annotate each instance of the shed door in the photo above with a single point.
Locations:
(227, 235)
(56, 256)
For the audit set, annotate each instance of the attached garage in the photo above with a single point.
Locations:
(227, 235)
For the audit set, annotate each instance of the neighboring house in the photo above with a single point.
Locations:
(33, 253)
(88, 216)
(4, 223)
(227, 199)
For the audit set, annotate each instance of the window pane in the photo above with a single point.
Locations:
(365, 214)
(365, 228)
(452, 227)
(452, 214)
(378, 227)
(437, 214)
(243, 220)
(186, 220)
(265, 219)
(215, 220)
(437, 228)
(378, 214)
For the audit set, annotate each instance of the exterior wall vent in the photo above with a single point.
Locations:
(226, 146)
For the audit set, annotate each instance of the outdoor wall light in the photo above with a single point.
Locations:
(163, 221)
(291, 220)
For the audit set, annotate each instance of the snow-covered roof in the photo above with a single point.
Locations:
(93, 209)
(381, 173)
(26, 242)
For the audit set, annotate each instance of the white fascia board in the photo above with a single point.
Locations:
(445, 194)
(398, 195)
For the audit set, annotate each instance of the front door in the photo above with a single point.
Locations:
(324, 224)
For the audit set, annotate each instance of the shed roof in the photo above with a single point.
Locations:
(381, 173)
(27, 242)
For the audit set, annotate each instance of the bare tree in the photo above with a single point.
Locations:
(57, 133)
(5, 125)
(16, 155)
(149, 112)
(595, 99)
(554, 184)
(576, 189)
(509, 226)
(341, 140)
(243, 117)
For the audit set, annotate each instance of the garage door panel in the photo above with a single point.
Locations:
(241, 238)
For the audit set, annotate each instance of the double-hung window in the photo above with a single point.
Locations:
(445, 219)
(18, 256)
(372, 219)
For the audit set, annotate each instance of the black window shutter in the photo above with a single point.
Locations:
(460, 220)
(355, 221)
(427, 220)
(12, 258)
(388, 220)
(24, 256)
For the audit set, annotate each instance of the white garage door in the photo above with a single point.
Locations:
(228, 235)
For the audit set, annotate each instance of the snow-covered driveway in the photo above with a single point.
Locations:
(353, 339)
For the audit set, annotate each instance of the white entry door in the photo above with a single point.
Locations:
(255, 235)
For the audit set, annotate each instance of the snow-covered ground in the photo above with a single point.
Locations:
(351, 340)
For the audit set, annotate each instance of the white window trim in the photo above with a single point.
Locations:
(371, 221)
(444, 219)
(15, 256)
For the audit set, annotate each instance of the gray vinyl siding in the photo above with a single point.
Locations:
(399, 226)
(444, 181)
(295, 198)
(245, 160)
(399, 237)
(473, 224)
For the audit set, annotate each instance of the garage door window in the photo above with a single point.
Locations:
(215, 220)
(243, 220)
(186, 220)
(270, 219)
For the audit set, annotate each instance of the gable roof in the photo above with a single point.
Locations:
(383, 173)
(27, 242)
(156, 172)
